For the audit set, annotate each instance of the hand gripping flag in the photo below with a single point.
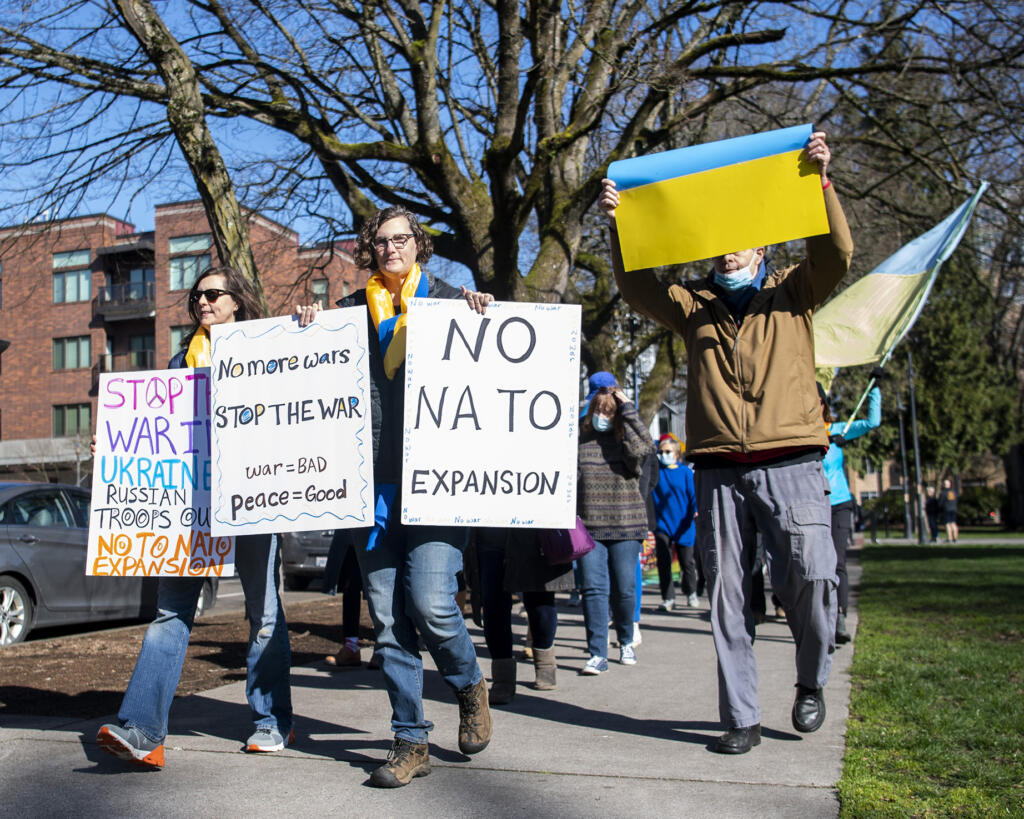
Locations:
(707, 200)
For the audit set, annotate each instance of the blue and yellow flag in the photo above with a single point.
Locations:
(864, 323)
(702, 201)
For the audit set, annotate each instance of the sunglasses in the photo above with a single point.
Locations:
(210, 295)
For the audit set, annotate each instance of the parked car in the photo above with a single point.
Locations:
(44, 533)
(304, 557)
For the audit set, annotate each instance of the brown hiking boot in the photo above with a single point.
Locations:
(406, 761)
(474, 718)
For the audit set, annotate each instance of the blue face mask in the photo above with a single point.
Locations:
(667, 458)
(601, 424)
(739, 279)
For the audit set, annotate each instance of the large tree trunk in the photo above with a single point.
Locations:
(1014, 462)
(187, 117)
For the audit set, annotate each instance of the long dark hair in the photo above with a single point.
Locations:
(365, 258)
(239, 288)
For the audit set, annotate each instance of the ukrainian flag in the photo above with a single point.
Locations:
(706, 200)
(864, 323)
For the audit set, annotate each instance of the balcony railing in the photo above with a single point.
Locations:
(126, 301)
(125, 362)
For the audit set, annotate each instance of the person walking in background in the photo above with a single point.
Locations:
(409, 572)
(675, 505)
(840, 433)
(221, 295)
(342, 573)
(510, 561)
(931, 511)
(947, 511)
(613, 445)
(755, 437)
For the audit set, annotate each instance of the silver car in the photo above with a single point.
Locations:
(44, 532)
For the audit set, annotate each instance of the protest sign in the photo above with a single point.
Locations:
(291, 425)
(491, 415)
(150, 512)
(706, 200)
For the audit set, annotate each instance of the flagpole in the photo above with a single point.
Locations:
(917, 451)
(908, 526)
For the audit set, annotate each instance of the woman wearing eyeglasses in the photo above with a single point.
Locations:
(409, 571)
(221, 295)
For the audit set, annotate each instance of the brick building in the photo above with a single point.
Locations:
(88, 295)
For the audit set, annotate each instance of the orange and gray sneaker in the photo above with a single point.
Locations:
(266, 740)
(345, 659)
(131, 745)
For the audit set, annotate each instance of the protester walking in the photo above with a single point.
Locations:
(840, 433)
(754, 434)
(675, 505)
(221, 295)
(409, 572)
(613, 445)
(510, 561)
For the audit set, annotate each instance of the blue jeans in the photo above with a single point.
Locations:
(147, 702)
(608, 573)
(409, 583)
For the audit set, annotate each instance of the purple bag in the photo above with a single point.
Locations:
(565, 545)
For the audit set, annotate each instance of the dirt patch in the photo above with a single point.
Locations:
(85, 675)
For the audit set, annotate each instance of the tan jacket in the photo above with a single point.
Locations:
(751, 388)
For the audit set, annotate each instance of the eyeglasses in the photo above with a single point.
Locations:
(398, 240)
(210, 295)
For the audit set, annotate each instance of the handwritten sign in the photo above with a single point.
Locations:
(150, 513)
(491, 415)
(291, 425)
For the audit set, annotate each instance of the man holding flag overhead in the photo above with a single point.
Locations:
(755, 435)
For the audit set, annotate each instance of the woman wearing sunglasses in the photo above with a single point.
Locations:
(221, 295)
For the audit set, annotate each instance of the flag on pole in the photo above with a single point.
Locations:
(866, 321)
(705, 200)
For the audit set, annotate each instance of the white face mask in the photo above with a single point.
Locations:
(738, 279)
(667, 458)
(601, 424)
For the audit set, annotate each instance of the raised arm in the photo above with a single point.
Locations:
(640, 288)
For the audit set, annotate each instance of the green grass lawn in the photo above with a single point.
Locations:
(937, 704)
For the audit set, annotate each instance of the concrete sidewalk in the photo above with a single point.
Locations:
(632, 742)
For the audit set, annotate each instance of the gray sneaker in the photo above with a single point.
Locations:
(131, 745)
(266, 740)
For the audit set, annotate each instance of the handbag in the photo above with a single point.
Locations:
(565, 545)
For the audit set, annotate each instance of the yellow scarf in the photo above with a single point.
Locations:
(198, 353)
(391, 330)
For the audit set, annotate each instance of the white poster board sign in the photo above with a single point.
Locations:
(150, 512)
(291, 424)
(491, 415)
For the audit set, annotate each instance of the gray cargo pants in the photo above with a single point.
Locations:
(789, 505)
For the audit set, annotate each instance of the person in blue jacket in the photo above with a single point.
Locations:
(842, 501)
(675, 505)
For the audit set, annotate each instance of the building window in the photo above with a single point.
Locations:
(71, 285)
(71, 258)
(319, 290)
(71, 353)
(71, 419)
(184, 270)
(178, 335)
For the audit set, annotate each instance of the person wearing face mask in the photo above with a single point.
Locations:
(755, 437)
(613, 445)
(675, 505)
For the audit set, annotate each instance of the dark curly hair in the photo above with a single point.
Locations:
(366, 259)
(240, 289)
